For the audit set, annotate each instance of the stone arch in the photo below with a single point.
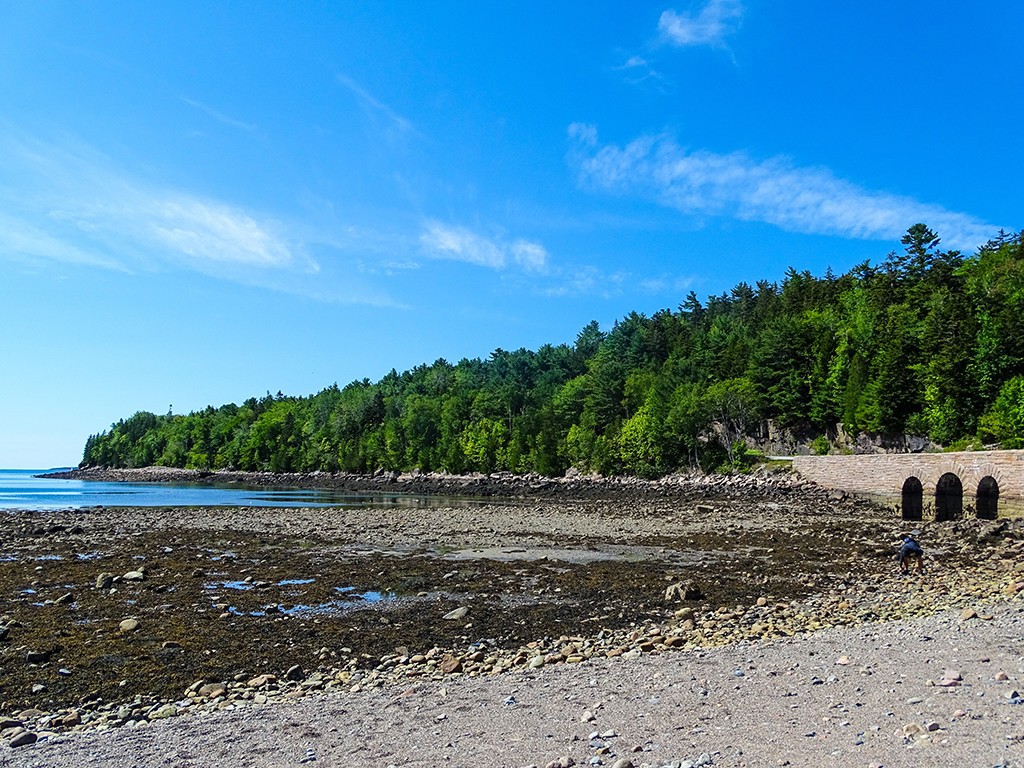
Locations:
(987, 498)
(913, 499)
(949, 497)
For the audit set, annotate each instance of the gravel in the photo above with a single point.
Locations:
(872, 695)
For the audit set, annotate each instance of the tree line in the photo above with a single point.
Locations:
(928, 342)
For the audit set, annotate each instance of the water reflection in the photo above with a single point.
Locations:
(351, 601)
(23, 489)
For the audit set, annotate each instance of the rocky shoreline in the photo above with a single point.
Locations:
(625, 571)
(499, 485)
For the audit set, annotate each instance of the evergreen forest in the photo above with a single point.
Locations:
(928, 342)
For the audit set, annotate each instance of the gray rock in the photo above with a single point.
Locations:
(457, 614)
(128, 625)
(104, 581)
(167, 710)
(23, 739)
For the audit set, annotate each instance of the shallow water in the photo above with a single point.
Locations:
(25, 489)
(351, 600)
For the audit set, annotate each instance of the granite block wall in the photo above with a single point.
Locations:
(883, 474)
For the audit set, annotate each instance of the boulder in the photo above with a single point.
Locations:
(23, 739)
(684, 590)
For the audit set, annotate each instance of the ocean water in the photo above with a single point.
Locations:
(24, 489)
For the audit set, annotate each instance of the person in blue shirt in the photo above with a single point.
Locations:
(911, 553)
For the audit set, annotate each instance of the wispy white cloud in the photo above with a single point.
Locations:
(706, 25)
(220, 116)
(444, 241)
(387, 267)
(377, 106)
(72, 205)
(526, 266)
(665, 284)
(215, 232)
(530, 256)
(709, 25)
(588, 280)
(22, 240)
(461, 244)
(637, 69)
(775, 191)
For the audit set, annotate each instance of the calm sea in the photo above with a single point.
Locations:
(22, 489)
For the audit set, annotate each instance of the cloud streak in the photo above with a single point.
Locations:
(637, 69)
(377, 106)
(77, 209)
(220, 117)
(214, 232)
(774, 191)
(20, 239)
(715, 21)
(443, 241)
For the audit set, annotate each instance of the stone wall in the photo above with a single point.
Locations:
(883, 474)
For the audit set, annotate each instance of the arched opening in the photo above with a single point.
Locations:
(949, 498)
(988, 498)
(913, 499)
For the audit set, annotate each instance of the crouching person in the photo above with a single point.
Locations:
(911, 554)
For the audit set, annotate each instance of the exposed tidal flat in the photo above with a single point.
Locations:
(123, 618)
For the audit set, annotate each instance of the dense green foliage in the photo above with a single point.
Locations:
(929, 342)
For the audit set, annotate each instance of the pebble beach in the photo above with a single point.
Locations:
(740, 621)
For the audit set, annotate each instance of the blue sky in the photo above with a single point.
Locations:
(202, 202)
